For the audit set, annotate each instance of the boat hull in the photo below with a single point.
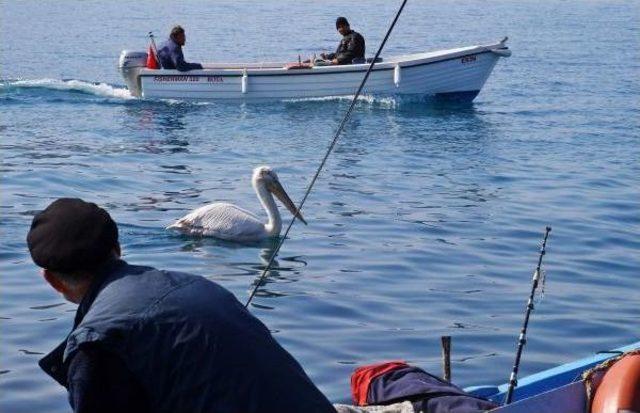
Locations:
(557, 390)
(455, 73)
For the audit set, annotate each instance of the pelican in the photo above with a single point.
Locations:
(230, 222)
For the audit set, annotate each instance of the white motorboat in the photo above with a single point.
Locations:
(454, 73)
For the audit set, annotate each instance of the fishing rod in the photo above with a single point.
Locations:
(522, 339)
(341, 126)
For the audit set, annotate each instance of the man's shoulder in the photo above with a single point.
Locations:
(138, 285)
(168, 44)
(147, 274)
(135, 295)
(354, 35)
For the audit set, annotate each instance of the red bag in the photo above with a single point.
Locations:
(362, 377)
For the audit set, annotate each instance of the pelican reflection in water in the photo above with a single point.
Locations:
(230, 222)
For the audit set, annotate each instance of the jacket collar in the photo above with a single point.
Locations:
(98, 283)
(52, 363)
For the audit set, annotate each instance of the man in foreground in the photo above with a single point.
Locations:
(351, 46)
(170, 52)
(146, 340)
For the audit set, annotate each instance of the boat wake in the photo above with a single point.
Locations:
(71, 85)
(104, 92)
(387, 101)
(72, 89)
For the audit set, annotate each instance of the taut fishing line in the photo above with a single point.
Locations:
(341, 126)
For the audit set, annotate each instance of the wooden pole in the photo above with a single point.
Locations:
(446, 357)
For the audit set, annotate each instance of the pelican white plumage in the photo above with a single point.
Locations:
(230, 222)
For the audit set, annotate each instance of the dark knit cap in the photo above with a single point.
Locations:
(72, 235)
(341, 21)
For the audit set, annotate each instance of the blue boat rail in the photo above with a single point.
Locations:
(545, 381)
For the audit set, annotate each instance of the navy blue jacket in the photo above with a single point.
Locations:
(171, 57)
(185, 343)
(100, 382)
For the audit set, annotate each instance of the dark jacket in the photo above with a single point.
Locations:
(171, 57)
(351, 47)
(99, 382)
(186, 342)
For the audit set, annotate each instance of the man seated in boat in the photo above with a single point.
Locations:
(146, 340)
(170, 52)
(351, 46)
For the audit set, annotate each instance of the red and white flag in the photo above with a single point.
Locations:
(152, 61)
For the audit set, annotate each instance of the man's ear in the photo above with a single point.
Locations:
(54, 281)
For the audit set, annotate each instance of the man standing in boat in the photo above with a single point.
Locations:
(351, 46)
(146, 340)
(170, 52)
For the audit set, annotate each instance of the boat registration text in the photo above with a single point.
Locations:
(186, 78)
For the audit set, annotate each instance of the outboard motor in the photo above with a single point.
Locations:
(130, 65)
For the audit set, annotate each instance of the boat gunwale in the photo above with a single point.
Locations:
(551, 378)
(333, 70)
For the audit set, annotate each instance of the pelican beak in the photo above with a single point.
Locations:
(277, 189)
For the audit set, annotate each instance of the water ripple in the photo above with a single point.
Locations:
(426, 221)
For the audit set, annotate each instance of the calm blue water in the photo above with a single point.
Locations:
(426, 221)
